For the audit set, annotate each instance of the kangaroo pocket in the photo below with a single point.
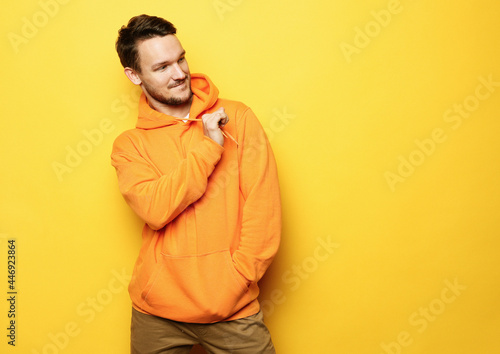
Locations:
(201, 288)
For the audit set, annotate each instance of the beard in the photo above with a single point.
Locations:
(170, 100)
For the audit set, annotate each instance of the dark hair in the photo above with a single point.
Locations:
(138, 29)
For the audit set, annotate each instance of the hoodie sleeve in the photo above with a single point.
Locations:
(261, 219)
(158, 198)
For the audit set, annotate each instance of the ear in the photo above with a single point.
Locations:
(132, 76)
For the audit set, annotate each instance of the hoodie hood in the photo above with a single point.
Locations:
(205, 94)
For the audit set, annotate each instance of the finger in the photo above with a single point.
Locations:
(218, 117)
(222, 114)
(213, 114)
(211, 122)
(207, 117)
(223, 120)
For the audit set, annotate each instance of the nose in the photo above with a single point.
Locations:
(178, 73)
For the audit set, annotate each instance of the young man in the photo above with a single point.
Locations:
(200, 172)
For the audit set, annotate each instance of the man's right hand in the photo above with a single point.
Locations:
(212, 124)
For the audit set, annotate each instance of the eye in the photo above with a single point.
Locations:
(182, 59)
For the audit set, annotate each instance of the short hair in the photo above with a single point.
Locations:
(139, 28)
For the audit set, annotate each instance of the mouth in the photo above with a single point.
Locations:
(179, 84)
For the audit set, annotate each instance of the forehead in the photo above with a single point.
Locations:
(159, 49)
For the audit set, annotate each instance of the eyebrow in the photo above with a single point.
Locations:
(166, 62)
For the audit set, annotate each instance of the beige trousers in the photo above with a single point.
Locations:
(156, 335)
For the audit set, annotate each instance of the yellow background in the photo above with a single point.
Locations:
(413, 264)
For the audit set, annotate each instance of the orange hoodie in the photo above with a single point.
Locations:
(212, 213)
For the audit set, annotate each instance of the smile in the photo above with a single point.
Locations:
(179, 85)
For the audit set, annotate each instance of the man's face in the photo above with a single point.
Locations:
(164, 76)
